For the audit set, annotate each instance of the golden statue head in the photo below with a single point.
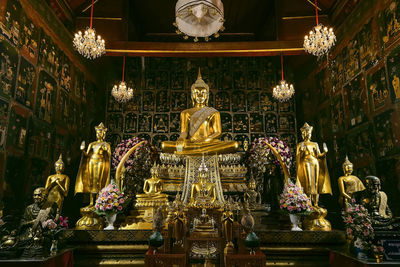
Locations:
(347, 166)
(306, 131)
(101, 131)
(59, 165)
(252, 184)
(154, 171)
(200, 91)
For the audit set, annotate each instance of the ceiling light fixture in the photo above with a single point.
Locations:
(320, 39)
(283, 91)
(121, 92)
(87, 45)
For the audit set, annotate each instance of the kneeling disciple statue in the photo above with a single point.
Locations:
(313, 176)
(348, 184)
(200, 127)
(93, 175)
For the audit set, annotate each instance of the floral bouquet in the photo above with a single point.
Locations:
(110, 200)
(52, 231)
(260, 155)
(138, 164)
(294, 201)
(377, 249)
(358, 225)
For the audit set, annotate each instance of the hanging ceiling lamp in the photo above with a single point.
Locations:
(87, 45)
(320, 39)
(121, 92)
(283, 91)
(199, 18)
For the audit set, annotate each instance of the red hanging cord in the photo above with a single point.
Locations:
(123, 70)
(282, 65)
(316, 11)
(91, 15)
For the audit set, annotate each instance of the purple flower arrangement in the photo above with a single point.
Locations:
(123, 147)
(261, 156)
(294, 201)
(358, 225)
(109, 200)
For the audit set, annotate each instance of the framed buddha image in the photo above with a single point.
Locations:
(288, 106)
(361, 142)
(241, 139)
(239, 80)
(388, 20)
(162, 101)
(74, 118)
(226, 81)
(144, 136)
(291, 141)
(271, 123)
(130, 124)
(49, 55)
(78, 83)
(179, 101)
(65, 75)
(8, 68)
(24, 90)
(177, 80)
(148, 100)
(356, 97)
(3, 122)
(226, 121)
(239, 63)
(161, 122)
(145, 122)
(253, 101)
(377, 87)
(10, 22)
(320, 81)
(337, 114)
(386, 133)
(393, 66)
(287, 123)
(112, 105)
(45, 96)
(226, 137)
(268, 103)
(256, 122)
(268, 77)
(115, 122)
(333, 75)
(351, 60)
(174, 124)
(255, 136)
(174, 137)
(241, 123)
(238, 101)
(63, 108)
(368, 46)
(133, 104)
(162, 80)
(29, 41)
(158, 139)
(222, 101)
(253, 79)
(17, 128)
(254, 63)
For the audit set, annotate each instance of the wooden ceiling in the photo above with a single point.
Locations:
(125, 23)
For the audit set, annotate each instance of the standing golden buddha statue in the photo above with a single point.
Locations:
(313, 176)
(57, 186)
(93, 175)
(200, 127)
(348, 184)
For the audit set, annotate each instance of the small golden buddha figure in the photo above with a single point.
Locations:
(312, 170)
(203, 193)
(57, 186)
(147, 203)
(227, 220)
(348, 184)
(251, 196)
(177, 217)
(203, 223)
(93, 175)
(200, 127)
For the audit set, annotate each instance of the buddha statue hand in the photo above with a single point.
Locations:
(83, 145)
(325, 147)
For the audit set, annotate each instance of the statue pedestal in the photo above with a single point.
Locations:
(316, 220)
(90, 220)
(141, 218)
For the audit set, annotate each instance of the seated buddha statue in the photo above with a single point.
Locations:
(376, 201)
(252, 196)
(348, 183)
(203, 193)
(200, 127)
(152, 187)
(203, 223)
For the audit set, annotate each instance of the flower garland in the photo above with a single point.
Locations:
(294, 201)
(260, 153)
(109, 200)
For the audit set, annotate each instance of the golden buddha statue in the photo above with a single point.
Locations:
(178, 220)
(251, 196)
(203, 193)
(93, 175)
(204, 225)
(147, 203)
(57, 186)
(313, 176)
(200, 127)
(227, 220)
(312, 170)
(348, 184)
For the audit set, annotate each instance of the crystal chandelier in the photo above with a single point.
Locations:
(199, 18)
(121, 92)
(283, 91)
(87, 44)
(320, 39)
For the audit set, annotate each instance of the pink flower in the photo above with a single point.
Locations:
(119, 207)
(121, 200)
(64, 222)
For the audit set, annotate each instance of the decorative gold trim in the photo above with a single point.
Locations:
(205, 51)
